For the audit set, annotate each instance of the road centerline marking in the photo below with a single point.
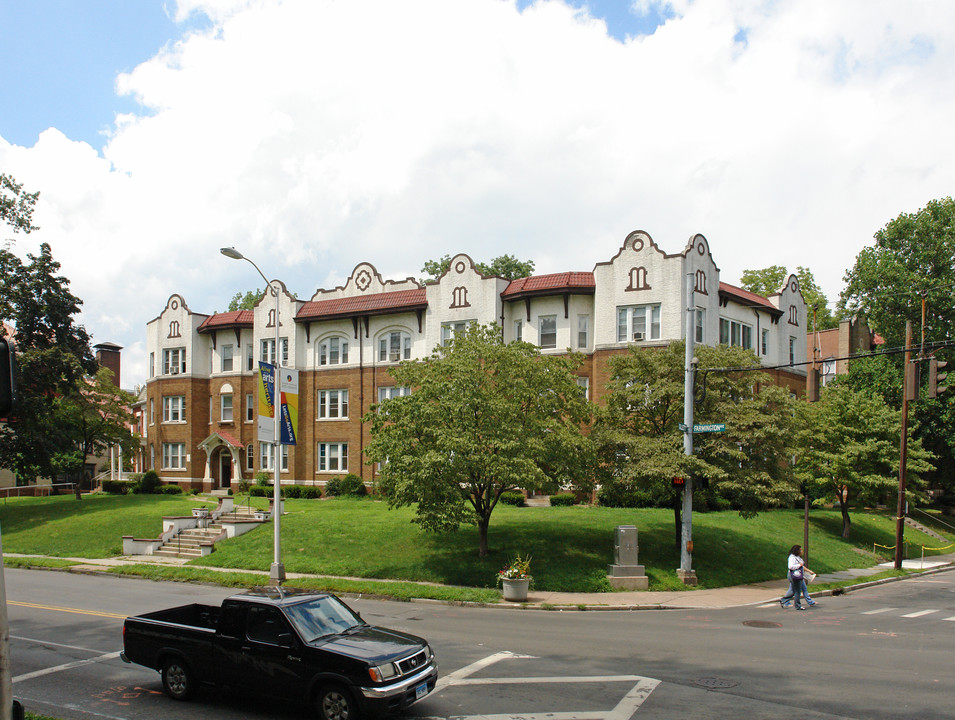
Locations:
(57, 608)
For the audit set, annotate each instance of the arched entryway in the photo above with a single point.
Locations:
(223, 467)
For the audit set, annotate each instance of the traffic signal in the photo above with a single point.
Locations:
(912, 380)
(935, 377)
(812, 385)
(8, 377)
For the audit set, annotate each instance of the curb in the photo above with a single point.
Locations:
(91, 569)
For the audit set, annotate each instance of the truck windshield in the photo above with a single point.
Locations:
(320, 617)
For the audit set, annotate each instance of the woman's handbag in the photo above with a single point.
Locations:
(796, 573)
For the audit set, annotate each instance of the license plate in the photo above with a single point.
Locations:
(421, 691)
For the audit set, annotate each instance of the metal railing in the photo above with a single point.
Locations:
(35, 490)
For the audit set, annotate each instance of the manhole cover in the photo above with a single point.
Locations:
(762, 624)
(716, 683)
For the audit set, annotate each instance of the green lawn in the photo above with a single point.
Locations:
(571, 546)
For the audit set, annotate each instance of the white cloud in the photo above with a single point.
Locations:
(314, 135)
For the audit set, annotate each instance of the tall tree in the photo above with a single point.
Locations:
(913, 257)
(640, 443)
(769, 281)
(53, 352)
(244, 302)
(483, 418)
(847, 447)
(505, 266)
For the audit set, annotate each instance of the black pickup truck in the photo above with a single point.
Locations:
(298, 645)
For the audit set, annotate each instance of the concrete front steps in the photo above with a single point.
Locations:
(195, 536)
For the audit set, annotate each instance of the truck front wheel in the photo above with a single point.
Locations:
(177, 680)
(335, 703)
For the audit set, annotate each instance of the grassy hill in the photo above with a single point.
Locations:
(570, 546)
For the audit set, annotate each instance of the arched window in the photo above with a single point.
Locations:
(333, 351)
(638, 279)
(394, 346)
(174, 329)
(459, 297)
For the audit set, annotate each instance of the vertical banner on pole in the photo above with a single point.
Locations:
(266, 414)
(288, 384)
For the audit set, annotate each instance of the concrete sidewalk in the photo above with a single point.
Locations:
(736, 596)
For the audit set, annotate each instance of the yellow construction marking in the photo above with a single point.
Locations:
(97, 613)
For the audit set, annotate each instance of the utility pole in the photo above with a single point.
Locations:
(907, 379)
(686, 573)
(6, 678)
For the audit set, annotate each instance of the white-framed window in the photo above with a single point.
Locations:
(394, 346)
(828, 370)
(267, 348)
(174, 456)
(700, 322)
(152, 457)
(173, 408)
(584, 384)
(267, 457)
(547, 331)
(249, 358)
(792, 350)
(152, 411)
(333, 351)
(583, 331)
(736, 334)
(152, 364)
(332, 404)
(450, 329)
(249, 408)
(386, 393)
(332, 457)
(638, 322)
(225, 358)
(173, 361)
(250, 457)
(225, 407)
(765, 342)
(519, 330)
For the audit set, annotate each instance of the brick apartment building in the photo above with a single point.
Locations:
(201, 395)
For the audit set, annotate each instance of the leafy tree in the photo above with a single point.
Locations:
(912, 258)
(244, 302)
(53, 353)
(847, 448)
(912, 254)
(16, 206)
(505, 266)
(640, 444)
(769, 281)
(483, 418)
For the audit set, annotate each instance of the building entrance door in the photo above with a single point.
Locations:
(225, 469)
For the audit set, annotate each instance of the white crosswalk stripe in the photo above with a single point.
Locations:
(920, 613)
(951, 618)
(879, 610)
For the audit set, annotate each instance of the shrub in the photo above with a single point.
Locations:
(513, 497)
(260, 491)
(563, 499)
(263, 478)
(244, 485)
(116, 487)
(170, 490)
(351, 484)
(310, 492)
(615, 494)
(150, 482)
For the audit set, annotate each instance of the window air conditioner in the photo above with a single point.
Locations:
(174, 370)
(638, 337)
(395, 356)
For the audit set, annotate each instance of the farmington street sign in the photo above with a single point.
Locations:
(711, 427)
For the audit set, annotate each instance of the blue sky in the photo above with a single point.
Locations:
(314, 135)
(62, 58)
(68, 53)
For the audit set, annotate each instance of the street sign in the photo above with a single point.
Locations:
(713, 427)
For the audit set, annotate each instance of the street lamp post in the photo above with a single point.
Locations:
(277, 570)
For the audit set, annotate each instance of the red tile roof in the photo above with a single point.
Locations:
(378, 304)
(557, 282)
(745, 297)
(236, 318)
(229, 438)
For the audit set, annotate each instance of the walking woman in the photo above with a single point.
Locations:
(797, 579)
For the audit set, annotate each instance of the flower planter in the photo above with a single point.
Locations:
(516, 590)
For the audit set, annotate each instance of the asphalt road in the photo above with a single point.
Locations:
(883, 652)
